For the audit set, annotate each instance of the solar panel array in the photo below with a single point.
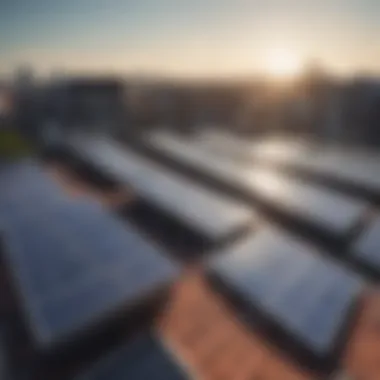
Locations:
(74, 263)
(348, 165)
(327, 209)
(144, 358)
(213, 215)
(309, 296)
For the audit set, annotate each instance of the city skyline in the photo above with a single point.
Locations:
(190, 38)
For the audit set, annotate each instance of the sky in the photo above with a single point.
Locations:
(189, 37)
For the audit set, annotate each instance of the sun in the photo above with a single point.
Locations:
(282, 64)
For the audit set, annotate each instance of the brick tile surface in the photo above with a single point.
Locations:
(207, 335)
(362, 359)
(77, 187)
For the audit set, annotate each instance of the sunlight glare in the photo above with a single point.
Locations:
(283, 64)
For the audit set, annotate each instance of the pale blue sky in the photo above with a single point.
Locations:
(183, 37)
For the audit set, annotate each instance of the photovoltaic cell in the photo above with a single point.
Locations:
(215, 215)
(328, 209)
(143, 358)
(367, 248)
(307, 295)
(75, 264)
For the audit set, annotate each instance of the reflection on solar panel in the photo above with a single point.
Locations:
(224, 144)
(308, 296)
(215, 216)
(334, 212)
(329, 209)
(144, 358)
(75, 264)
(353, 167)
(367, 248)
(243, 148)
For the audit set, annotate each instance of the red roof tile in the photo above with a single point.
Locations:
(207, 334)
(362, 358)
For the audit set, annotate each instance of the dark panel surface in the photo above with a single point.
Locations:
(144, 358)
(75, 264)
(26, 181)
(306, 295)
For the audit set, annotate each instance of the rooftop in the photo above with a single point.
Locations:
(207, 330)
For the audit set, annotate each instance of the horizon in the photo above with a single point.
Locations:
(195, 39)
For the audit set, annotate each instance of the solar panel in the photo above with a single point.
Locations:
(27, 182)
(225, 144)
(367, 248)
(26, 189)
(351, 166)
(358, 168)
(75, 265)
(143, 358)
(214, 215)
(280, 150)
(235, 147)
(195, 155)
(308, 296)
(330, 210)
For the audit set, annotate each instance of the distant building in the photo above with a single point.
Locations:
(6, 103)
(362, 111)
(86, 104)
(24, 77)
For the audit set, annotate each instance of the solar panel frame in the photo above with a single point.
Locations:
(139, 353)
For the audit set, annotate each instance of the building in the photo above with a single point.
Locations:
(93, 104)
